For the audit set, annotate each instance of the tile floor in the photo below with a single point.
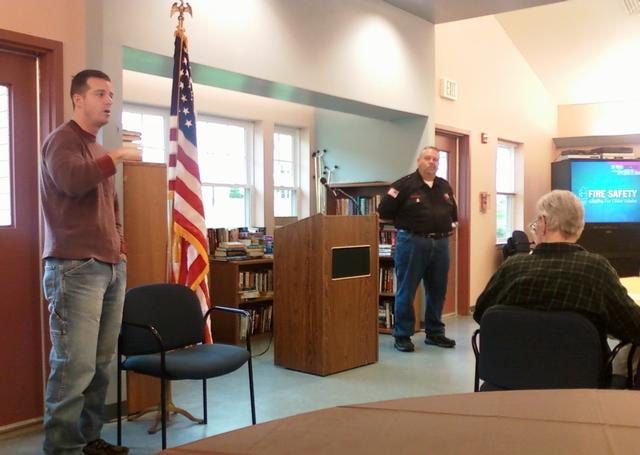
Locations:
(280, 392)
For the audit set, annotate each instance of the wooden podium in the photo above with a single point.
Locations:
(325, 309)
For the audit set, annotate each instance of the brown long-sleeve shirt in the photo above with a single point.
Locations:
(79, 202)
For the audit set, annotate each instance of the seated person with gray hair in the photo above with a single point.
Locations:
(560, 275)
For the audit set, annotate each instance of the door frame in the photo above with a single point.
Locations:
(463, 261)
(49, 55)
(50, 114)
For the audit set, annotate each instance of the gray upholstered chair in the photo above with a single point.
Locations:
(531, 349)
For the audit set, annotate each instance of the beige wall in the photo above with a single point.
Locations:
(60, 20)
(501, 96)
(599, 119)
(356, 49)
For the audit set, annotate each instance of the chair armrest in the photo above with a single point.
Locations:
(148, 328)
(631, 378)
(239, 312)
(476, 353)
(474, 342)
(227, 309)
(609, 363)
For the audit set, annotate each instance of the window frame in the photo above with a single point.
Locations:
(10, 208)
(249, 186)
(514, 197)
(295, 189)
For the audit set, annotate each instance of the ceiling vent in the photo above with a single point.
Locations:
(632, 6)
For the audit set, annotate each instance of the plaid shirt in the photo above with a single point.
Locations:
(565, 277)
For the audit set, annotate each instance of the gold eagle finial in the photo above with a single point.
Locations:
(180, 8)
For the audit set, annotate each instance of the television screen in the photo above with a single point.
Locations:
(609, 190)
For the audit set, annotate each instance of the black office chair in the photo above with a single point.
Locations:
(518, 243)
(162, 336)
(531, 349)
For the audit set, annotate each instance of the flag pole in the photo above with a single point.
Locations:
(179, 33)
(173, 240)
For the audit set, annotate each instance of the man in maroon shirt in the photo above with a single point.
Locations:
(84, 271)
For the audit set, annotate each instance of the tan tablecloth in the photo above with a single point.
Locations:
(633, 287)
(581, 422)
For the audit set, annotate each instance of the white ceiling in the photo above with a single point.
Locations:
(583, 51)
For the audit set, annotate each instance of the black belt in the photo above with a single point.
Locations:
(433, 235)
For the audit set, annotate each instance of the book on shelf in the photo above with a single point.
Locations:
(363, 205)
(131, 139)
(385, 250)
(260, 321)
(228, 252)
(386, 317)
(247, 294)
(262, 281)
(255, 250)
(242, 235)
(387, 279)
(231, 245)
(388, 234)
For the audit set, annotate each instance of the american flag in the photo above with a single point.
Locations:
(189, 245)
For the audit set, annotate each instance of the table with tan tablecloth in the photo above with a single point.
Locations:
(584, 422)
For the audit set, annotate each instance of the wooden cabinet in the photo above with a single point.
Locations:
(246, 284)
(365, 198)
(144, 213)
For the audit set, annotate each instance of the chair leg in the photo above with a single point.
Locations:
(204, 401)
(119, 404)
(253, 402)
(163, 410)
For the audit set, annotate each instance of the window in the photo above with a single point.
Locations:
(286, 146)
(505, 190)
(150, 123)
(443, 165)
(6, 215)
(225, 156)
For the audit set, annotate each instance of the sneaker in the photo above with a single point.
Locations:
(440, 341)
(403, 344)
(102, 447)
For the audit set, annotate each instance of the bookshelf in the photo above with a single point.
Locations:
(368, 196)
(245, 284)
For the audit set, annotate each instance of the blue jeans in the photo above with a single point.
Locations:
(419, 258)
(85, 312)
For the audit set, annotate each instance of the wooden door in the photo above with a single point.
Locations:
(448, 147)
(21, 381)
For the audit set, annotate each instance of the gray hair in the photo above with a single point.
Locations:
(427, 148)
(563, 212)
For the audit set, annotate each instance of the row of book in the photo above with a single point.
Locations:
(388, 235)
(385, 250)
(238, 250)
(246, 235)
(131, 139)
(387, 280)
(386, 318)
(260, 321)
(365, 205)
(261, 281)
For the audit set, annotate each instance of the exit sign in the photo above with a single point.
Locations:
(448, 89)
